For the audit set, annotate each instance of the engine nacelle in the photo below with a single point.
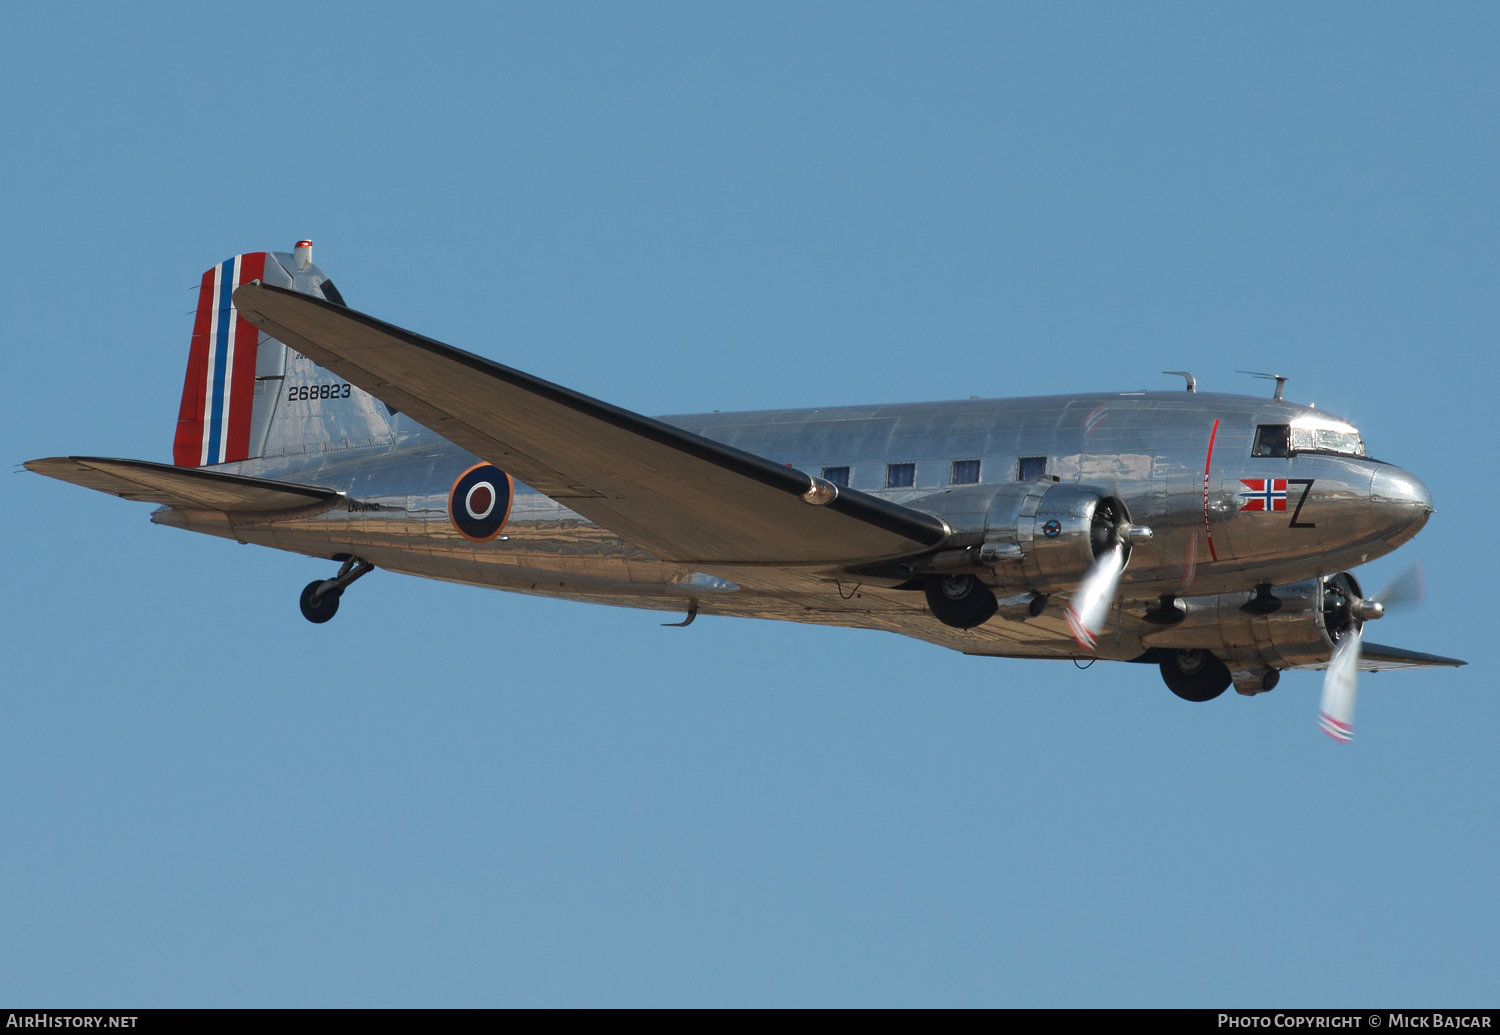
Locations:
(1038, 535)
(1072, 526)
(1308, 619)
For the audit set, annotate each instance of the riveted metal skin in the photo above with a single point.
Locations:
(1149, 453)
(1176, 462)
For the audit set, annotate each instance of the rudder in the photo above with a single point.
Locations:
(218, 393)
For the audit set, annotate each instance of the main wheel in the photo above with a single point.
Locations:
(1194, 675)
(961, 601)
(320, 610)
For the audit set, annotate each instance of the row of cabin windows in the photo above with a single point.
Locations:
(963, 472)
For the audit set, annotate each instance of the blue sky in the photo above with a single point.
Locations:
(453, 796)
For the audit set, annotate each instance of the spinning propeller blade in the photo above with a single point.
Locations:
(1341, 681)
(1089, 607)
(1409, 589)
(1340, 686)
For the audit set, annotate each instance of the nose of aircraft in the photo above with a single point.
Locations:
(1401, 504)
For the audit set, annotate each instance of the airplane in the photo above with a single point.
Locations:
(1207, 534)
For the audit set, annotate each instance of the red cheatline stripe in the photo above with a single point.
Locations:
(1207, 529)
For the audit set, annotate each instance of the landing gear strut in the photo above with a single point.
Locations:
(320, 599)
(1194, 675)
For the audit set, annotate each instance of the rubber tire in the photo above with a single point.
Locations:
(973, 607)
(1210, 679)
(324, 608)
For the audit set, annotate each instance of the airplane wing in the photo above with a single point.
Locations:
(682, 496)
(1375, 658)
(186, 487)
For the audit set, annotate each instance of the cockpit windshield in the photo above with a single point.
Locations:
(1308, 434)
(1323, 435)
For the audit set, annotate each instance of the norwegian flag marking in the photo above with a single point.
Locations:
(1266, 494)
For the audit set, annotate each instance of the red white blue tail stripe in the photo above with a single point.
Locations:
(213, 423)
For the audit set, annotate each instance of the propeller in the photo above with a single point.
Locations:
(1089, 608)
(1341, 681)
(1340, 687)
(1409, 589)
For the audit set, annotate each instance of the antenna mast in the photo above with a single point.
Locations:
(1192, 382)
(1280, 379)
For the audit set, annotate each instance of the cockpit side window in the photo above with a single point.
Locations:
(1272, 440)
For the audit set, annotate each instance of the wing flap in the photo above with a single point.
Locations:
(190, 488)
(680, 495)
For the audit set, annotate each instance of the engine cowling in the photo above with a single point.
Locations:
(1034, 536)
(1072, 526)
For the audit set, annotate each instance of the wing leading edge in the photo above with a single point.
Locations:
(680, 495)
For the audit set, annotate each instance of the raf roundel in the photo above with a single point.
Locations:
(479, 502)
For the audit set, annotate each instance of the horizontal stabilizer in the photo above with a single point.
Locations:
(186, 487)
(682, 496)
(1375, 658)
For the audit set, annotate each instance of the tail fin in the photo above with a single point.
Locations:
(213, 424)
(246, 394)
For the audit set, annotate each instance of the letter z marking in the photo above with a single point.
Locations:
(1307, 484)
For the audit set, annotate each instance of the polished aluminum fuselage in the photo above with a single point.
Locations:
(1150, 449)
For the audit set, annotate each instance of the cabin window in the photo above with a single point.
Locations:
(900, 476)
(1272, 440)
(965, 472)
(1031, 468)
(837, 475)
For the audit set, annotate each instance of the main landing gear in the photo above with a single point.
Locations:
(1194, 675)
(961, 601)
(320, 599)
